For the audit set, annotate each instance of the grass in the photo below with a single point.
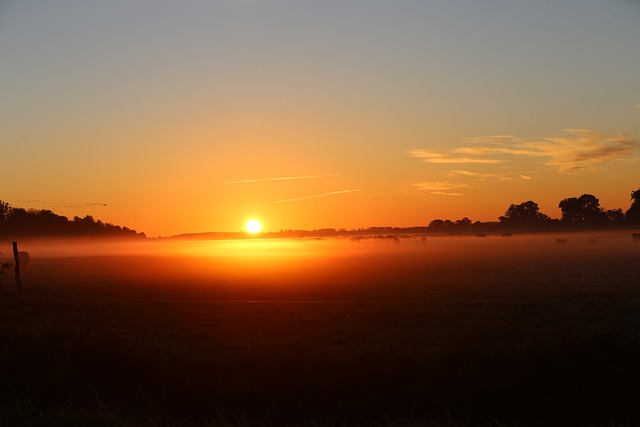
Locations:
(505, 338)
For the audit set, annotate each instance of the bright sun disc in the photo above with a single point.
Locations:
(253, 226)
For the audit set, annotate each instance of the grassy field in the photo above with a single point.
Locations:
(465, 331)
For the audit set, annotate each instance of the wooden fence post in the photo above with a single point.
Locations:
(17, 264)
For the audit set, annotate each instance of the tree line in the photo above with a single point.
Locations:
(577, 212)
(20, 223)
(582, 212)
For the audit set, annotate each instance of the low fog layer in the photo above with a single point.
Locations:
(335, 269)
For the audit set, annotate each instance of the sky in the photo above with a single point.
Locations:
(187, 116)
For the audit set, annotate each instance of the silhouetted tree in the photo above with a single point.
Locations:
(463, 225)
(584, 210)
(437, 225)
(440, 226)
(633, 214)
(19, 222)
(525, 214)
(5, 209)
(615, 216)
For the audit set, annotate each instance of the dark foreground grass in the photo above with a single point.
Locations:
(499, 342)
(574, 381)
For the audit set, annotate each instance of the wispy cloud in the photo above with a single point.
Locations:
(315, 196)
(281, 178)
(528, 178)
(578, 150)
(637, 107)
(443, 193)
(479, 176)
(440, 185)
(441, 188)
(428, 156)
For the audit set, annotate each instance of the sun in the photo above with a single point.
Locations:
(253, 226)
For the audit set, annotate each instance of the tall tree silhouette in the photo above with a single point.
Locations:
(633, 214)
(615, 216)
(525, 214)
(584, 210)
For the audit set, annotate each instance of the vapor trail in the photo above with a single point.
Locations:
(310, 197)
(282, 178)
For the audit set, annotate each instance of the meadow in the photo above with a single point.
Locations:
(454, 330)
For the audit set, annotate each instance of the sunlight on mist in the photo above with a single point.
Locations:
(385, 268)
(289, 250)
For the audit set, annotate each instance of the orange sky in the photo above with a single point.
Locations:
(196, 116)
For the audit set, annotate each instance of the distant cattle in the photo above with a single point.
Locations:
(561, 241)
(636, 237)
(506, 234)
(481, 235)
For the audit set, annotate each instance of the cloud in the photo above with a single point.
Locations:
(478, 175)
(528, 178)
(442, 193)
(637, 107)
(582, 150)
(315, 196)
(441, 188)
(490, 139)
(282, 178)
(576, 151)
(428, 156)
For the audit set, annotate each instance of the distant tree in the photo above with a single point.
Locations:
(615, 216)
(19, 222)
(463, 225)
(446, 226)
(571, 209)
(5, 209)
(437, 225)
(525, 214)
(633, 214)
(582, 210)
(591, 207)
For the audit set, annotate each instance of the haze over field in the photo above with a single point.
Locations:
(517, 330)
(175, 117)
(331, 264)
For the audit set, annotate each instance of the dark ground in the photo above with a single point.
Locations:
(524, 332)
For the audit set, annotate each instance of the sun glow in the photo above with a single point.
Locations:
(253, 226)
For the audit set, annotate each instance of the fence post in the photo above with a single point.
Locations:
(17, 264)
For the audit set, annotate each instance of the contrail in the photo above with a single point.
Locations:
(282, 178)
(310, 197)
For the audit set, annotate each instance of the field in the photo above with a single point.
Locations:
(466, 331)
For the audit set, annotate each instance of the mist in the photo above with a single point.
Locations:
(368, 269)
